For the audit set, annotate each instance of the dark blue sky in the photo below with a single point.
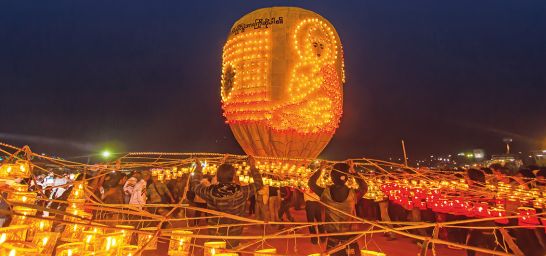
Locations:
(445, 76)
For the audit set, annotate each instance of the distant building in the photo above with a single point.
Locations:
(511, 162)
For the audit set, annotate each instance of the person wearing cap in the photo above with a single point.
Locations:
(340, 201)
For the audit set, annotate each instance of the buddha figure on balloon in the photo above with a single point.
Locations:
(281, 88)
(314, 101)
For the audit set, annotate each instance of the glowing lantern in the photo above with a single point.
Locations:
(371, 253)
(214, 247)
(70, 249)
(112, 243)
(45, 242)
(13, 233)
(21, 169)
(129, 250)
(127, 232)
(527, 217)
(265, 252)
(282, 76)
(17, 249)
(148, 239)
(179, 244)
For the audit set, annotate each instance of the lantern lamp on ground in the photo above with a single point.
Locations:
(45, 242)
(70, 249)
(148, 240)
(180, 242)
(265, 252)
(214, 247)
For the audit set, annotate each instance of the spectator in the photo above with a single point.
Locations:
(138, 190)
(227, 197)
(286, 202)
(159, 194)
(262, 200)
(342, 199)
(313, 212)
(129, 186)
(274, 203)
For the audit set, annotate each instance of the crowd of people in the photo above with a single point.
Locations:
(333, 204)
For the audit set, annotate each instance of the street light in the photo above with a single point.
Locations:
(507, 141)
(106, 154)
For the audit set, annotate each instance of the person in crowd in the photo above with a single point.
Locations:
(113, 193)
(478, 237)
(527, 240)
(262, 200)
(340, 201)
(252, 205)
(226, 196)
(158, 193)
(297, 199)
(44, 201)
(177, 187)
(286, 202)
(199, 202)
(274, 203)
(64, 196)
(524, 178)
(384, 213)
(58, 186)
(313, 212)
(499, 174)
(129, 186)
(138, 191)
(488, 174)
(540, 178)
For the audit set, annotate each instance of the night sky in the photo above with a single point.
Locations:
(76, 76)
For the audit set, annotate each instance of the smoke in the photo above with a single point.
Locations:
(33, 139)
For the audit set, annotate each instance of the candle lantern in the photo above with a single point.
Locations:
(127, 232)
(499, 212)
(73, 232)
(14, 233)
(112, 243)
(148, 239)
(92, 239)
(78, 190)
(19, 187)
(70, 249)
(214, 247)
(480, 210)
(45, 242)
(527, 217)
(20, 169)
(17, 249)
(265, 252)
(38, 225)
(22, 197)
(23, 215)
(179, 244)
(129, 250)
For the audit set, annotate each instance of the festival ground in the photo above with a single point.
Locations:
(402, 246)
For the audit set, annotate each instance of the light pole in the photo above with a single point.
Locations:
(507, 141)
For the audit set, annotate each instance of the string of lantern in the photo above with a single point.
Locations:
(84, 232)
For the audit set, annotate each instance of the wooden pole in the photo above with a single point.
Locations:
(405, 156)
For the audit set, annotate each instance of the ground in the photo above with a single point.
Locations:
(402, 246)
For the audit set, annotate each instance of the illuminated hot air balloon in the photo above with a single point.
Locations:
(282, 77)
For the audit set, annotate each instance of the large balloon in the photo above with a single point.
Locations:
(282, 77)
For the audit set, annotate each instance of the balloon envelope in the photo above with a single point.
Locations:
(282, 77)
